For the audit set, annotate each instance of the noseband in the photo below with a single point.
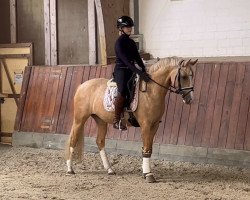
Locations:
(179, 89)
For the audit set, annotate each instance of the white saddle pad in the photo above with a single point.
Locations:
(112, 91)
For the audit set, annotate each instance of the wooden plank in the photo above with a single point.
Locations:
(17, 45)
(218, 105)
(244, 106)
(92, 32)
(15, 56)
(91, 130)
(194, 106)
(202, 105)
(1, 90)
(234, 114)
(109, 72)
(9, 79)
(185, 117)
(9, 95)
(23, 96)
(130, 135)
(41, 100)
(176, 121)
(98, 72)
(160, 132)
(86, 74)
(53, 29)
(227, 105)
(49, 100)
(65, 97)
(103, 72)
(101, 29)
(247, 136)
(59, 97)
(6, 140)
(137, 135)
(169, 118)
(75, 82)
(27, 103)
(210, 105)
(32, 97)
(47, 31)
(13, 26)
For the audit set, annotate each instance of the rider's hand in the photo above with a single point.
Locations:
(145, 76)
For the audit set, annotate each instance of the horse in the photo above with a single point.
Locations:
(172, 74)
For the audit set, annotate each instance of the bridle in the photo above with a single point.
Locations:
(179, 89)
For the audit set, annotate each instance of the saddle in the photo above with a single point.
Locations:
(131, 101)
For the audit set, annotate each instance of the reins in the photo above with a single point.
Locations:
(174, 89)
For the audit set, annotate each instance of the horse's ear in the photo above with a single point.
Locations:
(186, 63)
(193, 62)
(181, 63)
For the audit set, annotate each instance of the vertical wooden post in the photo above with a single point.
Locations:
(101, 32)
(92, 32)
(13, 37)
(50, 31)
(47, 31)
(53, 29)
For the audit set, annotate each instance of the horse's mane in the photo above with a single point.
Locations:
(165, 63)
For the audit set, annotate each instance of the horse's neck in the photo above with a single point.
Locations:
(163, 78)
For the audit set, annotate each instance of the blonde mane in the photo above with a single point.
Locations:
(164, 63)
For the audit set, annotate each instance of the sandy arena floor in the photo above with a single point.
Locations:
(27, 173)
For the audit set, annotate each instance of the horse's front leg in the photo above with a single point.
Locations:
(148, 133)
(100, 141)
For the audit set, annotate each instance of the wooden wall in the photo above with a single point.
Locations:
(72, 31)
(218, 117)
(112, 9)
(30, 27)
(4, 21)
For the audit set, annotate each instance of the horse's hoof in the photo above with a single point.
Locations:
(70, 172)
(111, 172)
(149, 178)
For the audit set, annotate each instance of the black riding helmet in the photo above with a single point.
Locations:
(124, 21)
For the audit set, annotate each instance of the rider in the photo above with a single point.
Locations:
(126, 54)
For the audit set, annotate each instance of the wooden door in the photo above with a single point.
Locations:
(13, 59)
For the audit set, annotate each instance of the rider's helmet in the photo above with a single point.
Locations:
(124, 21)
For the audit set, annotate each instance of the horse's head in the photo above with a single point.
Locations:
(182, 80)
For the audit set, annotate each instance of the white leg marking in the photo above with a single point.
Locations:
(69, 162)
(69, 165)
(105, 161)
(146, 165)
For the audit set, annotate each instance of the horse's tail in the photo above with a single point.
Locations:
(78, 149)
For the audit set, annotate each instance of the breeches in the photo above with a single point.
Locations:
(121, 77)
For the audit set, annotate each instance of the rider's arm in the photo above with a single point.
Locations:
(138, 59)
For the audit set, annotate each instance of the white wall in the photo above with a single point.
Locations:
(195, 28)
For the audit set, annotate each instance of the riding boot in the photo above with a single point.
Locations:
(119, 106)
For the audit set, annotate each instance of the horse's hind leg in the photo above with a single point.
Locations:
(75, 142)
(100, 141)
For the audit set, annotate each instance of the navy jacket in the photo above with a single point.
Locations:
(127, 54)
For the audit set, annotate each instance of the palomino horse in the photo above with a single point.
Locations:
(172, 74)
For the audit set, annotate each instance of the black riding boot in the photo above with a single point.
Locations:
(119, 106)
